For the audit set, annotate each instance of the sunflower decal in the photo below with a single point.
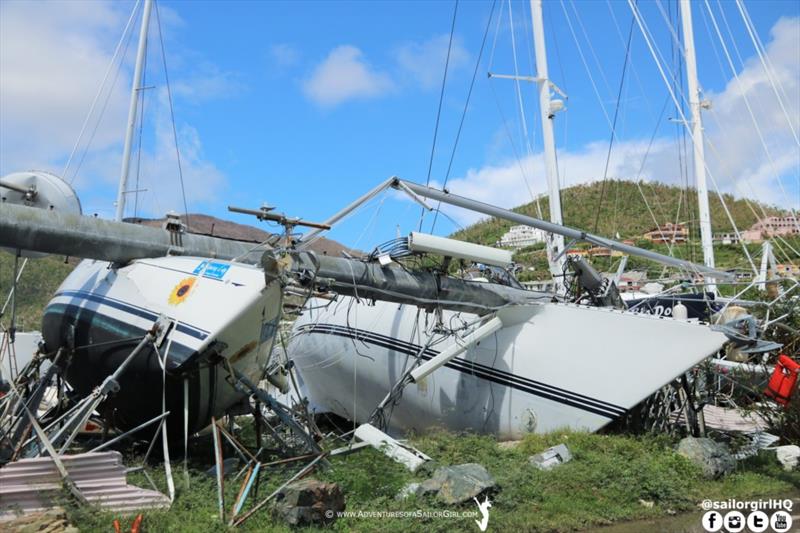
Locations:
(181, 291)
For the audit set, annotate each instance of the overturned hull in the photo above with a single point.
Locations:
(217, 310)
(552, 365)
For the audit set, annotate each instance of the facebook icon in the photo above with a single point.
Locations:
(712, 521)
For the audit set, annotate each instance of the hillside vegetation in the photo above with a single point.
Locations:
(623, 211)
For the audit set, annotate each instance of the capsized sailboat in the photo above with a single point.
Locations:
(520, 361)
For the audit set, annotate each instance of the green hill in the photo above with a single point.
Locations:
(623, 210)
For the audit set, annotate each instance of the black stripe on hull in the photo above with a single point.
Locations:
(133, 310)
(102, 343)
(536, 388)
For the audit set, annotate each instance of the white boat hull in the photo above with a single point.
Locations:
(552, 365)
(225, 311)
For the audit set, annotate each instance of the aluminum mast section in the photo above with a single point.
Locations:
(564, 231)
(696, 126)
(555, 242)
(57, 232)
(135, 88)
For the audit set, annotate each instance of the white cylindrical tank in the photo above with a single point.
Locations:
(680, 312)
(38, 188)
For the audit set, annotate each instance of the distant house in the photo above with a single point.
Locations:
(668, 233)
(521, 236)
(632, 280)
(772, 227)
(726, 238)
(602, 251)
(578, 251)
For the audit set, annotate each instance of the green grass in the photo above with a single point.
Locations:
(602, 485)
(37, 285)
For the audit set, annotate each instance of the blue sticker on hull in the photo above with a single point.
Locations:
(213, 270)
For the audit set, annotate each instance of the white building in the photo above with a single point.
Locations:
(521, 236)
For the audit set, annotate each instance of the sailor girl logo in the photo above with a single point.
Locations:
(181, 291)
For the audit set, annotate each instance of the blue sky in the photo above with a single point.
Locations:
(306, 105)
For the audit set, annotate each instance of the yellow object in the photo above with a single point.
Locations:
(181, 291)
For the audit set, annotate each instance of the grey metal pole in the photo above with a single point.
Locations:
(313, 235)
(60, 233)
(135, 88)
(566, 231)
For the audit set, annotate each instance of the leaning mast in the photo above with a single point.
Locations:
(555, 245)
(696, 126)
(135, 88)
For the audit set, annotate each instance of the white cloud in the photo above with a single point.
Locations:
(52, 59)
(53, 56)
(345, 75)
(424, 61)
(734, 154)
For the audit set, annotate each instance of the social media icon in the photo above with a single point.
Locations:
(734, 521)
(757, 521)
(781, 521)
(712, 521)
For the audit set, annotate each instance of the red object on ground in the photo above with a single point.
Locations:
(783, 381)
(137, 524)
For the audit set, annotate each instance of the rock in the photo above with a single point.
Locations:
(713, 458)
(460, 483)
(788, 456)
(509, 444)
(429, 486)
(551, 457)
(229, 466)
(309, 501)
(407, 491)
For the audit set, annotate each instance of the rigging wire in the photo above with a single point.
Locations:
(614, 125)
(102, 112)
(523, 123)
(172, 115)
(653, 51)
(745, 178)
(102, 85)
(466, 107)
(765, 61)
(585, 63)
(439, 109)
(744, 95)
(739, 56)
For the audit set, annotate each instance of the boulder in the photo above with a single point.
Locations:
(309, 502)
(459, 483)
(229, 466)
(551, 457)
(714, 458)
(788, 456)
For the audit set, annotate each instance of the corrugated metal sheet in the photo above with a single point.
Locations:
(31, 485)
(728, 419)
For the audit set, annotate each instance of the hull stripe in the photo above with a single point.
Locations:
(549, 392)
(126, 307)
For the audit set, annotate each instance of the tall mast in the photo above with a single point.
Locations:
(696, 126)
(136, 86)
(555, 244)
